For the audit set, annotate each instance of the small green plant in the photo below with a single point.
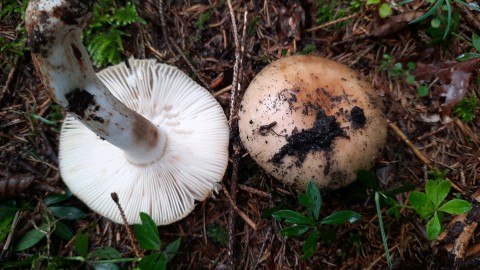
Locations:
(384, 9)
(200, 24)
(470, 55)
(437, 11)
(301, 223)
(331, 10)
(398, 70)
(103, 37)
(148, 239)
(465, 109)
(431, 205)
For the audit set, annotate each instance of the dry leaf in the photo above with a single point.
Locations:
(395, 23)
(14, 185)
(454, 78)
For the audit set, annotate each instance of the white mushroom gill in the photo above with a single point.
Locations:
(146, 132)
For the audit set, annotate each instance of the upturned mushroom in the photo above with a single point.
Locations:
(308, 118)
(143, 130)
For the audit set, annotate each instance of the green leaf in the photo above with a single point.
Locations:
(418, 199)
(107, 253)
(56, 198)
(443, 188)
(341, 217)
(429, 12)
(373, 2)
(293, 217)
(431, 189)
(456, 207)
(155, 261)
(310, 245)
(105, 266)
(368, 179)
(384, 10)
(28, 240)
(435, 23)
(218, 234)
(476, 42)
(147, 233)
(304, 200)
(5, 225)
(67, 212)
(422, 90)
(316, 198)
(81, 244)
(63, 231)
(434, 227)
(295, 230)
(172, 249)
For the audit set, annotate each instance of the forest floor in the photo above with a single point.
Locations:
(413, 67)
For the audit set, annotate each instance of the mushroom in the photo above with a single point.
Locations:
(308, 118)
(141, 129)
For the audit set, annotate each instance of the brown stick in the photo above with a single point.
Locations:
(242, 214)
(132, 239)
(410, 145)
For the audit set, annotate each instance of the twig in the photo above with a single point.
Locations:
(133, 241)
(407, 141)
(238, 210)
(5, 251)
(330, 23)
(9, 78)
(254, 191)
(233, 123)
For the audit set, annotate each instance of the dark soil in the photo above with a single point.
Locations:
(273, 29)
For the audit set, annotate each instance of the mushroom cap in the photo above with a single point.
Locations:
(196, 151)
(308, 118)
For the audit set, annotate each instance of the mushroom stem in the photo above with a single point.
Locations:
(54, 34)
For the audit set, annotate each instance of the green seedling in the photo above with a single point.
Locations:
(384, 9)
(103, 36)
(465, 109)
(437, 8)
(431, 205)
(301, 223)
(328, 11)
(398, 70)
(469, 55)
(200, 24)
(149, 239)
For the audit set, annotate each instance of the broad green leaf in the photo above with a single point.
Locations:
(295, 230)
(441, 193)
(384, 10)
(316, 198)
(426, 210)
(341, 217)
(434, 227)
(476, 42)
(456, 207)
(310, 245)
(105, 266)
(304, 200)
(431, 189)
(293, 217)
(147, 233)
(28, 240)
(67, 212)
(56, 198)
(418, 199)
(467, 56)
(148, 262)
(155, 261)
(63, 231)
(372, 2)
(106, 253)
(5, 225)
(368, 179)
(422, 90)
(172, 249)
(81, 244)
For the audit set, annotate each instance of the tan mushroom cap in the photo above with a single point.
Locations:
(309, 118)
